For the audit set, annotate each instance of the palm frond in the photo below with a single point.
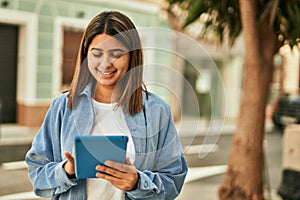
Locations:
(224, 17)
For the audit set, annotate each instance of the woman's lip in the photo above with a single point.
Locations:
(106, 72)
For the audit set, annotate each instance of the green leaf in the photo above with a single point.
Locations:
(195, 9)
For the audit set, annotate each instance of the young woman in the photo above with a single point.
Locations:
(108, 97)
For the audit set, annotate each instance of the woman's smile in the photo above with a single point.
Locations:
(106, 74)
(108, 60)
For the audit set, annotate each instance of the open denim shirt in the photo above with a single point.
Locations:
(159, 158)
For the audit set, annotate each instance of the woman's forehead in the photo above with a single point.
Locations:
(104, 42)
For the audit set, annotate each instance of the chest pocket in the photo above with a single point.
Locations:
(145, 148)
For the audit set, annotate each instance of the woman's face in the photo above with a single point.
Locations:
(108, 60)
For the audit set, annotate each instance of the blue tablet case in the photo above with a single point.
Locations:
(94, 150)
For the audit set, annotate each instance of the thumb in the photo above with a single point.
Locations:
(69, 157)
(128, 161)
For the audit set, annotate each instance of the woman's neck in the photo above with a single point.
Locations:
(104, 94)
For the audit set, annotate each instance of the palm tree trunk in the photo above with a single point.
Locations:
(243, 179)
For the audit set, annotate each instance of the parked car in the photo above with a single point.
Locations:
(286, 110)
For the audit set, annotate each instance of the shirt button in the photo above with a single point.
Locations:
(133, 129)
(146, 184)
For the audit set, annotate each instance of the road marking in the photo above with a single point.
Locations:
(196, 173)
(20, 196)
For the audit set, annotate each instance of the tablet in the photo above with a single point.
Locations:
(94, 150)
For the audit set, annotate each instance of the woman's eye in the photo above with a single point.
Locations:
(97, 55)
(116, 55)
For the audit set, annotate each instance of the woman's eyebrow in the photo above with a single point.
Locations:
(111, 50)
(116, 50)
(97, 49)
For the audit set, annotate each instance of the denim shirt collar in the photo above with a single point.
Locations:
(87, 90)
(83, 113)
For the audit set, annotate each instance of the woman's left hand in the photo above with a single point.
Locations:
(122, 176)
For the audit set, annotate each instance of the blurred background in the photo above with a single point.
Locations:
(39, 44)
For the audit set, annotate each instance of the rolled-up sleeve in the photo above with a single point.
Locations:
(44, 161)
(160, 185)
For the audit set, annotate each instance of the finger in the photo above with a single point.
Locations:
(120, 166)
(73, 151)
(69, 157)
(107, 176)
(128, 161)
(110, 171)
(69, 165)
(121, 180)
(117, 182)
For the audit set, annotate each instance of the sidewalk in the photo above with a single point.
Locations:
(16, 134)
(203, 179)
(207, 187)
(13, 133)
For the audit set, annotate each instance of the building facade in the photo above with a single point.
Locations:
(39, 42)
(44, 36)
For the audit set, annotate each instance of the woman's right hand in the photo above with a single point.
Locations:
(69, 165)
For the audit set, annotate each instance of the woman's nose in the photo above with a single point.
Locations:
(105, 62)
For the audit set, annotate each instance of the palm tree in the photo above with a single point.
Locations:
(267, 25)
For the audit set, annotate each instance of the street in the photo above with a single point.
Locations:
(206, 188)
(204, 177)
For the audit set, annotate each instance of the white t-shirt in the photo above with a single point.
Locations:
(108, 122)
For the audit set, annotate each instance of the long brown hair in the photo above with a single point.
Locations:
(120, 26)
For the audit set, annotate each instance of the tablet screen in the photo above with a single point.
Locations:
(94, 150)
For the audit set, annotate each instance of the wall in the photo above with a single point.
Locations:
(39, 76)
